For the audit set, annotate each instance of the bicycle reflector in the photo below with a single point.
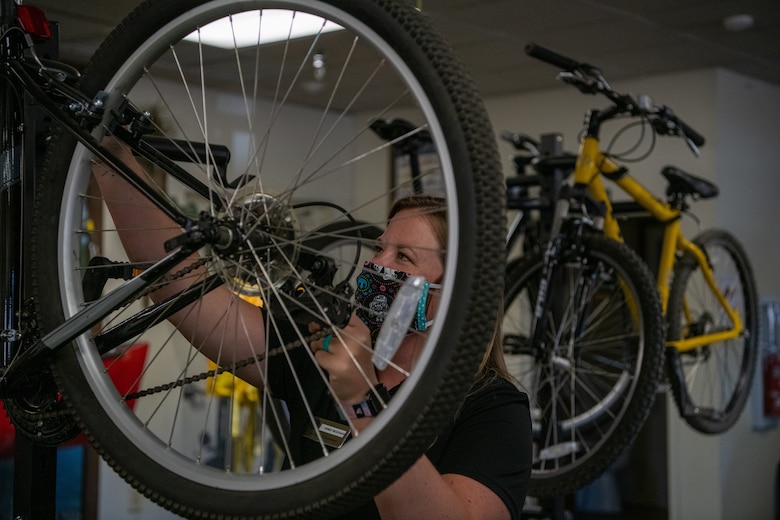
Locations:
(34, 22)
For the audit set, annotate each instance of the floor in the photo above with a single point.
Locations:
(626, 512)
(633, 513)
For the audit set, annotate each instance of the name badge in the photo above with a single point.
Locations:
(331, 433)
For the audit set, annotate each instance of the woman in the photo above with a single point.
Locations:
(477, 468)
(480, 465)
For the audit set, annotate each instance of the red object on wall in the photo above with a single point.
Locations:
(6, 436)
(125, 371)
(772, 385)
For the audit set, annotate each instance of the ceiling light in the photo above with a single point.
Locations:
(738, 22)
(259, 27)
(318, 64)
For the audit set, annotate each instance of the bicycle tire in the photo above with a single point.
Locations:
(717, 378)
(164, 463)
(615, 357)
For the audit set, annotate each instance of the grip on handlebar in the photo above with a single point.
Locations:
(551, 57)
(683, 130)
(691, 134)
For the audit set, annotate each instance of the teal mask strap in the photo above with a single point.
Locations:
(421, 322)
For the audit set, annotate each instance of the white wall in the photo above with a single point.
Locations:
(748, 122)
(731, 476)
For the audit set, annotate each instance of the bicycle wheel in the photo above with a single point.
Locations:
(292, 141)
(594, 379)
(715, 380)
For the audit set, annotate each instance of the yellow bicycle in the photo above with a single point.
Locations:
(587, 325)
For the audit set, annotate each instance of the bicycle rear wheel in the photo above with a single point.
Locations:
(593, 377)
(293, 139)
(715, 380)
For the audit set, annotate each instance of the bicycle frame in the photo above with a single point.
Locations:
(592, 163)
(22, 96)
(17, 139)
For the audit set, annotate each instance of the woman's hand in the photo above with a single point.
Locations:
(347, 361)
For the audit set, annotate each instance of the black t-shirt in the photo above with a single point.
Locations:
(488, 440)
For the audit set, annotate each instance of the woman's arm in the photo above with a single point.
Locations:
(143, 229)
(422, 492)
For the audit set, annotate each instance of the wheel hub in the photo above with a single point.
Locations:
(262, 249)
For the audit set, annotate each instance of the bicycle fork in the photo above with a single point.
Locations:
(566, 232)
(559, 310)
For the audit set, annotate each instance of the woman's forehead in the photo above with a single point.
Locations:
(410, 227)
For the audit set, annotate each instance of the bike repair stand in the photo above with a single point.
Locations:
(35, 464)
(35, 480)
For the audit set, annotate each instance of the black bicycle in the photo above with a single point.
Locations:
(267, 171)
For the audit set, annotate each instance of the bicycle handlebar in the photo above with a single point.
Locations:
(589, 79)
(553, 58)
(666, 115)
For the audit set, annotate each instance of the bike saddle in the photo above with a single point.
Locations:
(397, 129)
(684, 183)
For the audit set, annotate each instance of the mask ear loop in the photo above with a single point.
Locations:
(422, 307)
(421, 321)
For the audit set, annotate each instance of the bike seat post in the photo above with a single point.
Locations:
(552, 144)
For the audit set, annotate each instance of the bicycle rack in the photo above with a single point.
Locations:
(35, 464)
(35, 480)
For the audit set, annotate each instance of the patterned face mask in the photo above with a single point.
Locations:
(377, 287)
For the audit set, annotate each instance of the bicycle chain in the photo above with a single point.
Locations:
(197, 377)
(179, 274)
(203, 375)
(48, 415)
(220, 370)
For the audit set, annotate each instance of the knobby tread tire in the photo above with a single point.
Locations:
(567, 479)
